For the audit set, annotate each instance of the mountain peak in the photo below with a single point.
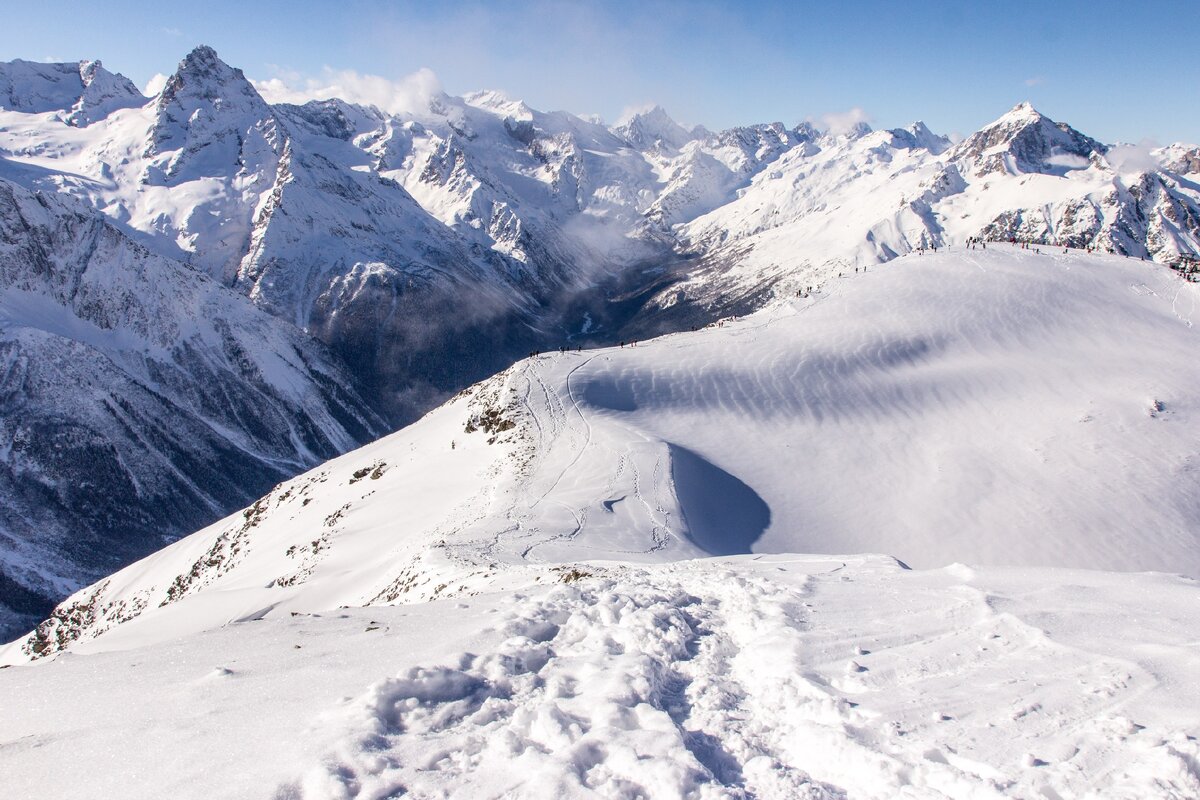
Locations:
(83, 89)
(203, 72)
(651, 128)
(1025, 109)
(919, 135)
(1024, 140)
(207, 95)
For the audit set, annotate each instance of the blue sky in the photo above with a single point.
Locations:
(1115, 70)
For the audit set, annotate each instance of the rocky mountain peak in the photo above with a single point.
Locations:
(202, 75)
(103, 93)
(205, 102)
(1187, 163)
(919, 135)
(85, 91)
(806, 132)
(653, 128)
(1025, 140)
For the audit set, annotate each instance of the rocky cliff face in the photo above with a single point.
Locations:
(1024, 141)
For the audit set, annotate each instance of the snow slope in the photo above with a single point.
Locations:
(774, 677)
(991, 407)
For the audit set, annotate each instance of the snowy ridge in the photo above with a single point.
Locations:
(844, 202)
(349, 221)
(82, 92)
(544, 203)
(959, 391)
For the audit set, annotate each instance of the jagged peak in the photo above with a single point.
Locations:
(334, 117)
(651, 127)
(858, 130)
(847, 133)
(918, 135)
(92, 69)
(203, 102)
(649, 114)
(1023, 115)
(806, 132)
(1023, 110)
(202, 57)
(498, 101)
(85, 90)
(1025, 140)
(202, 74)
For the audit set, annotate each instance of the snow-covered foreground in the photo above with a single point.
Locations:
(752, 676)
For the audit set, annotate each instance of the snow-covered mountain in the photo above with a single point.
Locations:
(75, 94)
(139, 400)
(994, 408)
(579, 577)
(844, 202)
(532, 210)
(352, 222)
(422, 251)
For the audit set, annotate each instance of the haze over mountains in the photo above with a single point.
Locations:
(205, 293)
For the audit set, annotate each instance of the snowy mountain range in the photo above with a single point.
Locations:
(357, 267)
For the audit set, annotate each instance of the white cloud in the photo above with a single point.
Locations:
(409, 94)
(1035, 81)
(1131, 158)
(155, 84)
(172, 32)
(1068, 161)
(840, 122)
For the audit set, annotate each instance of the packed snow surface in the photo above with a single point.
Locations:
(753, 676)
